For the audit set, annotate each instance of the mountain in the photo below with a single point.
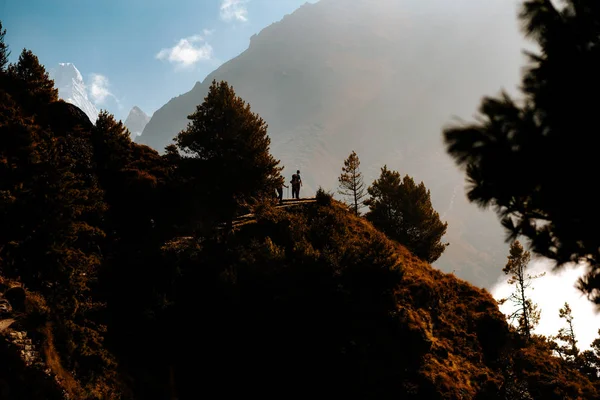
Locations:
(72, 89)
(381, 77)
(136, 122)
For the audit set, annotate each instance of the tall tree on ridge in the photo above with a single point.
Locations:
(229, 146)
(569, 351)
(351, 181)
(402, 210)
(33, 87)
(4, 52)
(527, 314)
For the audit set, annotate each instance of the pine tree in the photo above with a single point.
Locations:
(402, 210)
(111, 143)
(351, 181)
(569, 350)
(527, 313)
(590, 360)
(4, 52)
(33, 87)
(525, 159)
(230, 149)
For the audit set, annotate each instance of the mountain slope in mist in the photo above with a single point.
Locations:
(381, 77)
(136, 122)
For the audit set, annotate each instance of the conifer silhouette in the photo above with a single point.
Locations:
(230, 149)
(351, 182)
(535, 160)
(402, 210)
(4, 52)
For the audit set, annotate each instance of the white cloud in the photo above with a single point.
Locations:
(551, 292)
(234, 10)
(98, 88)
(187, 52)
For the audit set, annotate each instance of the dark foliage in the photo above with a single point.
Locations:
(402, 210)
(323, 197)
(229, 150)
(4, 52)
(534, 161)
(33, 88)
(51, 206)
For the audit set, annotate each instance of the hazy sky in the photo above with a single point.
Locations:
(550, 292)
(138, 52)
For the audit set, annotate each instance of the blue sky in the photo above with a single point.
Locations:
(140, 52)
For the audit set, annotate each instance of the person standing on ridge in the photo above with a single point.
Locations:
(280, 190)
(296, 184)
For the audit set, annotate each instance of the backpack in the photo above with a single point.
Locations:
(295, 179)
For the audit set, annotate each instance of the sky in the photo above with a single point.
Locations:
(550, 292)
(138, 52)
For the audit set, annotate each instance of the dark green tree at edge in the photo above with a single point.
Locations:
(4, 52)
(229, 150)
(535, 162)
(402, 210)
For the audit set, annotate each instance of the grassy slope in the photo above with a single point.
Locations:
(447, 332)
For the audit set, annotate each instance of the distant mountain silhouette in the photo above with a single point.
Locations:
(136, 122)
(381, 78)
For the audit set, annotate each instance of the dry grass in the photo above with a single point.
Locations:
(52, 359)
(453, 330)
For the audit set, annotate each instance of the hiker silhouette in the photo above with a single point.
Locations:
(296, 185)
(280, 189)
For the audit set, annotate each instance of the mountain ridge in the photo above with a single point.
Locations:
(136, 121)
(382, 79)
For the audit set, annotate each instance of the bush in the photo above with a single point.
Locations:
(323, 197)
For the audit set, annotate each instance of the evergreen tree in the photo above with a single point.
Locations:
(230, 149)
(32, 85)
(527, 313)
(50, 205)
(590, 360)
(111, 142)
(351, 181)
(569, 350)
(402, 210)
(4, 52)
(526, 159)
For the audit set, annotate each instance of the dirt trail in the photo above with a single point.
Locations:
(249, 218)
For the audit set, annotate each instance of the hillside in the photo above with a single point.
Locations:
(382, 78)
(171, 299)
(305, 299)
(329, 304)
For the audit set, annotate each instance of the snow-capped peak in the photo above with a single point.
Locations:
(136, 122)
(71, 88)
(66, 71)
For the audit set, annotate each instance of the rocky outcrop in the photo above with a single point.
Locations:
(23, 372)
